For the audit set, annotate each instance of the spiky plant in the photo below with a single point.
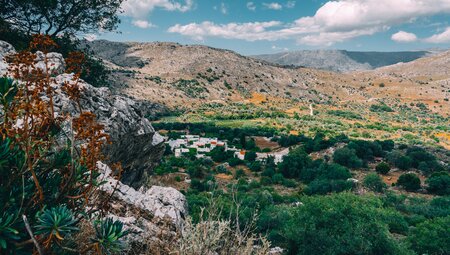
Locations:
(56, 222)
(7, 232)
(107, 236)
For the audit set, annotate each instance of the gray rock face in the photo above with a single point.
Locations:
(135, 144)
(159, 202)
(153, 215)
(5, 50)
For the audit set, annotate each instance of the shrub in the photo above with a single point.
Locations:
(374, 183)
(431, 237)
(347, 157)
(255, 166)
(250, 156)
(380, 108)
(108, 234)
(409, 181)
(359, 229)
(239, 173)
(401, 161)
(383, 168)
(277, 178)
(294, 163)
(439, 184)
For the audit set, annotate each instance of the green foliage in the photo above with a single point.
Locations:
(346, 114)
(294, 163)
(380, 108)
(108, 234)
(8, 233)
(52, 17)
(347, 157)
(192, 88)
(409, 181)
(439, 184)
(399, 160)
(339, 224)
(8, 90)
(374, 183)
(431, 237)
(250, 156)
(57, 221)
(383, 168)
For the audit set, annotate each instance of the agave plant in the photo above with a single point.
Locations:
(107, 236)
(7, 232)
(57, 221)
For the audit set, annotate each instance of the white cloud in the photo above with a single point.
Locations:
(139, 10)
(335, 21)
(251, 6)
(143, 24)
(273, 6)
(443, 37)
(290, 4)
(402, 36)
(252, 31)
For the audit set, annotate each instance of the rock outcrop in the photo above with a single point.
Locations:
(135, 144)
(153, 215)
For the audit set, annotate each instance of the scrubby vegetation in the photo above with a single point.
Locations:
(319, 181)
(47, 181)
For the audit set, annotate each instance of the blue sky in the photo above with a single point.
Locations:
(257, 27)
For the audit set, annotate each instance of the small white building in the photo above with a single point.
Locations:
(240, 154)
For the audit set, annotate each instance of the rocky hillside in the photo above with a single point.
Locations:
(179, 76)
(124, 119)
(341, 60)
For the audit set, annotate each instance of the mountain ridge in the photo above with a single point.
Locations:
(342, 60)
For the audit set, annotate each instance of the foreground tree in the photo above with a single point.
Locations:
(55, 17)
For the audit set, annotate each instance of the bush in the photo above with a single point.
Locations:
(374, 183)
(339, 224)
(239, 173)
(383, 168)
(409, 182)
(347, 157)
(431, 237)
(439, 184)
(250, 156)
(294, 163)
(400, 160)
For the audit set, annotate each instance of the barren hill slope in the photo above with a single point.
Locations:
(185, 76)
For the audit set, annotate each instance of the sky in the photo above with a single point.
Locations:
(264, 27)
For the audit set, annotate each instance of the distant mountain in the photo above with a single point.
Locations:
(342, 60)
(186, 76)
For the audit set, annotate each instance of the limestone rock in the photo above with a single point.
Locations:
(5, 50)
(154, 216)
(135, 144)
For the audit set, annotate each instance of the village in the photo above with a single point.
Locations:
(201, 146)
